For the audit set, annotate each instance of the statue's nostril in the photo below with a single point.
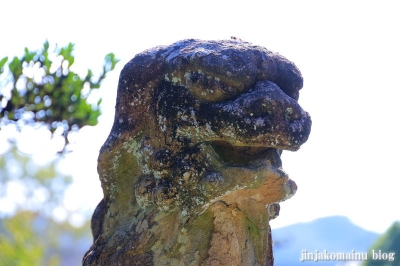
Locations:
(289, 114)
(292, 114)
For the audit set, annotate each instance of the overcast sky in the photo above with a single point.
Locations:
(347, 51)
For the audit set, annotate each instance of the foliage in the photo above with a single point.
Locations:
(19, 243)
(387, 243)
(28, 191)
(31, 196)
(28, 238)
(26, 185)
(40, 87)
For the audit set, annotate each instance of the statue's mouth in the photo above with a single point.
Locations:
(258, 161)
(249, 156)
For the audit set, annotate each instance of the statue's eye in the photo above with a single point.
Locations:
(211, 88)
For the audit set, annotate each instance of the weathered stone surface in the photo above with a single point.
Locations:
(191, 170)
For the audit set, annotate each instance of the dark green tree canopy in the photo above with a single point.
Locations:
(41, 88)
(388, 243)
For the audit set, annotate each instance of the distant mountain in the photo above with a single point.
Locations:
(335, 234)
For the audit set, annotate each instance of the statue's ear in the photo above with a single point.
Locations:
(118, 169)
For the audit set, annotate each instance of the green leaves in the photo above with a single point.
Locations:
(2, 63)
(110, 62)
(15, 67)
(19, 245)
(44, 89)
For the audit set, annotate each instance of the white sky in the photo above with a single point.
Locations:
(347, 51)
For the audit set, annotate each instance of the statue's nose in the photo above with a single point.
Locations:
(268, 100)
(264, 116)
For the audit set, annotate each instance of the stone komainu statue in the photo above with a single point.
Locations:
(191, 171)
